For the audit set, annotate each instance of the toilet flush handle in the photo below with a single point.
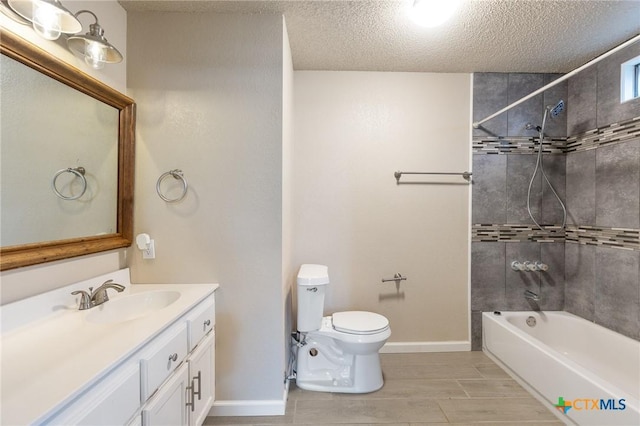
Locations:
(313, 289)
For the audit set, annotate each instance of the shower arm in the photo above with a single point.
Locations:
(477, 124)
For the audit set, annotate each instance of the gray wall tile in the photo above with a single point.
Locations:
(580, 280)
(556, 127)
(487, 276)
(581, 188)
(581, 105)
(519, 171)
(601, 187)
(490, 94)
(476, 330)
(617, 305)
(521, 85)
(489, 191)
(552, 280)
(618, 185)
(519, 281)
(609, 108)
(555, 168)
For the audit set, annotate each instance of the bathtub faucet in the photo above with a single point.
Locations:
(528, 294)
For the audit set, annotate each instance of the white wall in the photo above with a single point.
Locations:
(211, 103)
(353, 131)
(24, 282)
(288, 271)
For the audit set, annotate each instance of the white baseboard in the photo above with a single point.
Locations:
(409, 347)
(275, 407)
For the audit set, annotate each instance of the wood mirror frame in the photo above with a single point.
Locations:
(32, 56)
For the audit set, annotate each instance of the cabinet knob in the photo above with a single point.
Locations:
(173, 357)
(207, 323)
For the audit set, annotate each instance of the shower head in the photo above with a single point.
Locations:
(556, 110)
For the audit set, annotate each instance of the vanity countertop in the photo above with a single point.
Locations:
(54, 357)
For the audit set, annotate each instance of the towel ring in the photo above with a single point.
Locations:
(79, 173)
(177, 174)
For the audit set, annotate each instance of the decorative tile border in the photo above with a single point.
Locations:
(614, 133)
(515, 233)
(608, 135)
(517, 145)
(611, 237)
(622, 238)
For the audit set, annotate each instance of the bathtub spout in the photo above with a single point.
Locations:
(528, 294)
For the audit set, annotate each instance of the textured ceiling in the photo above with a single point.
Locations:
(484, 35)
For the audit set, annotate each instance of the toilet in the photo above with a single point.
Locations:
(339, 352)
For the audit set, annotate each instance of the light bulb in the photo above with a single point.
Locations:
(46, 20)
(431, 13)
(95, 54)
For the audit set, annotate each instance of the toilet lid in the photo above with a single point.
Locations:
(359, 322)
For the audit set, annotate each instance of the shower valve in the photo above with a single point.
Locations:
(528, 266)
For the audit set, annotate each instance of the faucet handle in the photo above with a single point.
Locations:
(541, 266)
(100, 296)
(85, 299)
(518, 266)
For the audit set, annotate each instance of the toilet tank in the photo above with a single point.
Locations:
(312, 281)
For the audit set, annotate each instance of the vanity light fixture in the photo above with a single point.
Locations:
(96, 50)
(48, 17)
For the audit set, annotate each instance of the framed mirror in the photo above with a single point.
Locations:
(67, 159)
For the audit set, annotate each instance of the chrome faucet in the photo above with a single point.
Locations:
(98, 296)
(528, 294)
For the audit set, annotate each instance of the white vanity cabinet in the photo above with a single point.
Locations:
(187, 395)
(169, 380)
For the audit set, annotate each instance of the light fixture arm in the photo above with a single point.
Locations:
(86, 11)
(94, 29)
(95, 48)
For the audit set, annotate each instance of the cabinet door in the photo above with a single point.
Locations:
(202, 379)
(169, 404)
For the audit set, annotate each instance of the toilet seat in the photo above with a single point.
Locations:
(359, 322)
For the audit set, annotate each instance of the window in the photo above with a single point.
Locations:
(630, 80)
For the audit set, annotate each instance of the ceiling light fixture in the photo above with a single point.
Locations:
(48, 17)
(96, 50)
(432, 13)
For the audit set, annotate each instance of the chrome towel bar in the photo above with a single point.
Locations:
(465, 175)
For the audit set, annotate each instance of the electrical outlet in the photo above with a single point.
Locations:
(150, 251)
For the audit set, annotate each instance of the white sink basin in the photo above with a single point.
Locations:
(132, 306)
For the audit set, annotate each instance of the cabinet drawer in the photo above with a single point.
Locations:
(161, 357)
(201, 320)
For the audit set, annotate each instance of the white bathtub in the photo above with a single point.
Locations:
(567, 356)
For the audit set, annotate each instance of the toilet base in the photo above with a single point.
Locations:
(330, 370)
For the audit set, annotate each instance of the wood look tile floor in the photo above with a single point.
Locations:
(462, 388)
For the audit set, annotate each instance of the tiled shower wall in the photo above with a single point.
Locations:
(594, 267)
